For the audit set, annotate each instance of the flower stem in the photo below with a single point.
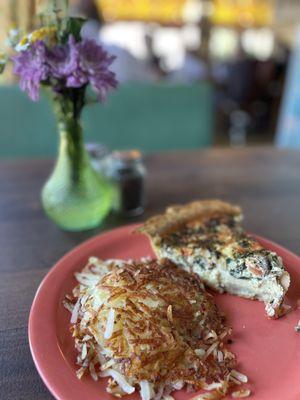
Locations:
(68, 111)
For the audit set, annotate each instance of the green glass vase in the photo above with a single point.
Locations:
(75, 196)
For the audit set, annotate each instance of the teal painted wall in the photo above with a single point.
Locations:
(148, 117)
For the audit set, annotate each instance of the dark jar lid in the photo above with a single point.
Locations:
(126, 158)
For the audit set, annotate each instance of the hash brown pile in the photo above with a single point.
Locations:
(149, 326)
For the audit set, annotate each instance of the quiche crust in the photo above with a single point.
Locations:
(179, 214)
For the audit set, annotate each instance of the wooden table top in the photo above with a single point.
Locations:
(264, 181)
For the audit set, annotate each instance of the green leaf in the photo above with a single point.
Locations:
(71, 26)
(3, 62)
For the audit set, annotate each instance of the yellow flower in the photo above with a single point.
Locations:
(46, 34)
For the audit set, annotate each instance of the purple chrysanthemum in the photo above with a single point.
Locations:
(72, 65)
(32, 69)
(82, 63)
(94, 62)
(63, 63)
(63, 59)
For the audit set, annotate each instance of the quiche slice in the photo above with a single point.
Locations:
(206, 237)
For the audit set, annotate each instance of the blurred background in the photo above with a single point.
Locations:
(192, 73)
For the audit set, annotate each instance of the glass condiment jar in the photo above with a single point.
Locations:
(127, 172)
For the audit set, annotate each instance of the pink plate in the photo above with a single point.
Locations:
(268, 351)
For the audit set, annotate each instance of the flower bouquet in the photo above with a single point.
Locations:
(58, 59)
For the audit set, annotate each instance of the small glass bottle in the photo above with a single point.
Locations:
(127, 171)
(98, 153)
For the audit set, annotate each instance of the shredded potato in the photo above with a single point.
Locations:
(148, 326)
